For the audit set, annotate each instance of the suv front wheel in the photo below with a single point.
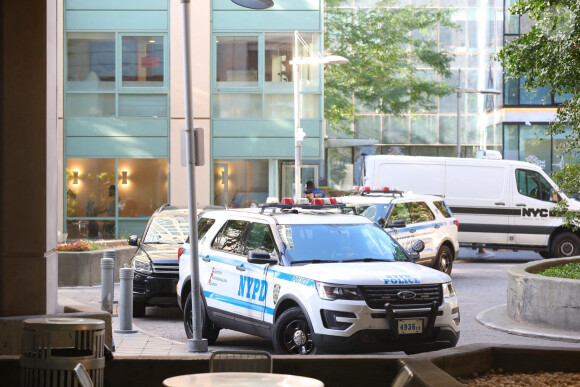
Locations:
(208, 330)
(292, 334)
(444, 261)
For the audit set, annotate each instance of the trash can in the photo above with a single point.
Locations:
(52, 347)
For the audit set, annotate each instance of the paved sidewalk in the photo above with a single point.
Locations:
(140, 343)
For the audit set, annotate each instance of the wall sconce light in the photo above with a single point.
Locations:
(75, 177)
(123, 177)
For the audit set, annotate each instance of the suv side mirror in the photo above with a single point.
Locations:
(381, 222)
(133, 240)
(399, 223)
(261, 258)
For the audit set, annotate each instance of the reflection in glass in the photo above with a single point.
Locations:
(143, 61)
(237, 61)
(90, 61)
(278, 55)
(239, 183)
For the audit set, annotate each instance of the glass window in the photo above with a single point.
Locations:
(142, 186)
(278, 55)
(203, 226)
(310, 106)
(237, 61)
(368, 126)
(537, 96)
(512, 22)
(141, 105)
(534, 185)
(239, 183)
(230, 238)
(397, 132)
(90, 61)
(447, 130)
(260, 238)
(279, 106)
(533, 148)
(420, 212)
(400, 211)
(511, 142)
(167, 229)
(442, 207)
(90, 105)
(238, 106)
(424, 129)
(143, 61)
(91, 190)
(340, 168)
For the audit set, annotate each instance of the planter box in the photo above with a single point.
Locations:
(83, 268)
(544, 301)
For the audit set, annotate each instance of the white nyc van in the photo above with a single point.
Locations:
(499, 203)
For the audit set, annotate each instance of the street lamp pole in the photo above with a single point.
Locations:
(299, 134)
(197, 343)
(460, 92)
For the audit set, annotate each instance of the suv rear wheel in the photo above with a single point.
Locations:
(444, 261)
(208, 330)
(138, 308)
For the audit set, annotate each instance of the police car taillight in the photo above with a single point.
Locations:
(317, 201)
(179, 252)
(287, 201)
(456, 223)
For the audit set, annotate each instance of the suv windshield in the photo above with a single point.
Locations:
(338, 243)
(165, 229)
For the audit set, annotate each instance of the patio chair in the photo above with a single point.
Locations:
(240, 361)
(82, 376)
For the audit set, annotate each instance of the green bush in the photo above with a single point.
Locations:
(569, 271)
(81, 245)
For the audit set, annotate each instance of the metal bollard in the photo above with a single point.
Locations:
(107, 277)
(126, 300)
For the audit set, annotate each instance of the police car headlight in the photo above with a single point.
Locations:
(448, 290)
(333, 292)
(142, 266)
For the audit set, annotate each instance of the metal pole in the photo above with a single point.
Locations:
(196, 343)
(459, 113)
(126, 300)
(107, 281)
(297, 129)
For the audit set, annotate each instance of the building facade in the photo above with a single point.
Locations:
(122, 115)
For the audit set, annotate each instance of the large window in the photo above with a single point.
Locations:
(240, 183)
(237, 61)
(101, 191)
(97, 86)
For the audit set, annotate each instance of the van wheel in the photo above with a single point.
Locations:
(292, 334)
(566, 244)
(545, 254)
(208, 330)
(444, 262)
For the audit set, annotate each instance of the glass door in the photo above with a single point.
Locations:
(308, 172)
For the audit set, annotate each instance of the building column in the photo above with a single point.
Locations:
(28, 149)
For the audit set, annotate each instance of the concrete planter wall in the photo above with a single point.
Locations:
(541, 300)
(83, 268)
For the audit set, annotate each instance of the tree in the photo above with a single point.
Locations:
(393, 56)
(549, 56)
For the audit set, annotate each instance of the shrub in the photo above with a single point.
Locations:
(569, 270)
(80, 245)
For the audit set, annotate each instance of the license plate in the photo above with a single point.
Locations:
(409, 327)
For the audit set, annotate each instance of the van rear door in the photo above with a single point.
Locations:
(479, 197)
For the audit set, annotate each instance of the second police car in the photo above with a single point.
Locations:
(315, 279)
(408, 217)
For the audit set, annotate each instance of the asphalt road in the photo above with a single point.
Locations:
(480, 283)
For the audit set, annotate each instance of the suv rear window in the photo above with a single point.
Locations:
(441, 206)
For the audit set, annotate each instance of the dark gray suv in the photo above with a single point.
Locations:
(155, 261)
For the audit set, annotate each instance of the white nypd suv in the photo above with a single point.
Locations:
(315, 279)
